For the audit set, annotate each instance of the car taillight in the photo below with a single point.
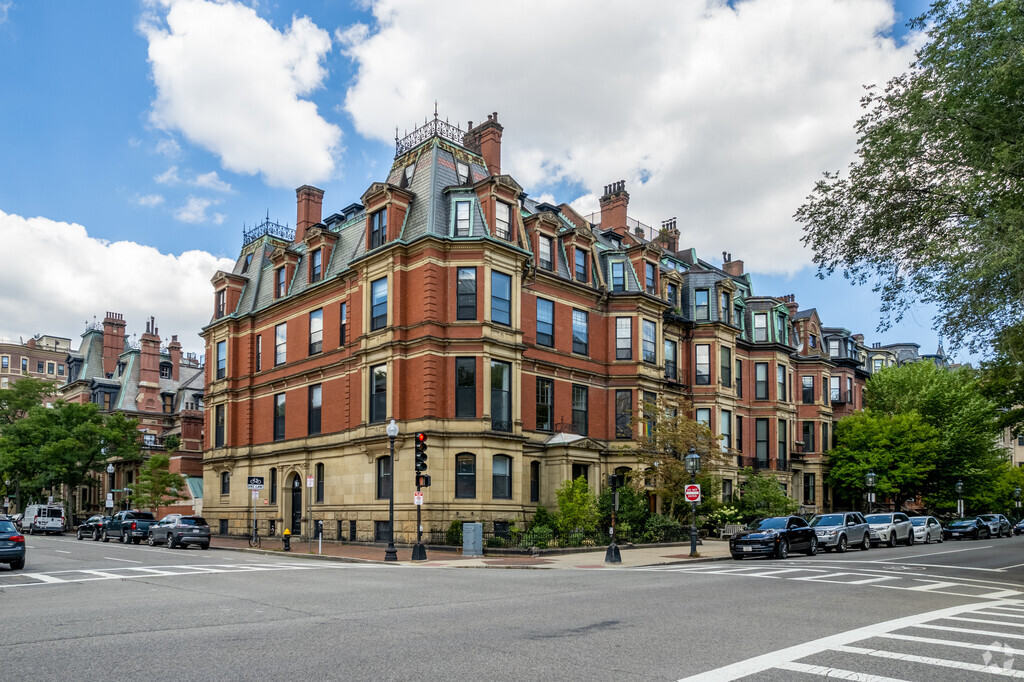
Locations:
(133, 525)
(17, 538)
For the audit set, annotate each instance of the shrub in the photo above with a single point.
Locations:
(454, 534)
(497, 542)
(660, 527)
(542, 517)
(539, 536)
(577, 506)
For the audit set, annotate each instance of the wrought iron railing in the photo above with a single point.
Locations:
(267, 227)
(432, 128)
(547, 538)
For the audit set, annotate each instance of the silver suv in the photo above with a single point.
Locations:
(840, 530)
(891, 528)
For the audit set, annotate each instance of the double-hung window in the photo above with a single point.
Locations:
(649, 280)
(672, 294)
(221, 297)
(462, 219)
(702, 308)
(580, 410)
(222, 359)
(466, 294)
(502, 220)
(379, 304)
(833, 348)
(545, 322)
(833, 389)
(580, 331)
(671, 363)
(783, 440)
(316, 262)
(315, 402)
(704, 416)
(760, 381)
(809, 437)
(623, 338)
(739, 378)
(650, 347)
(465, 476)
(462, 170)
(726, 307)
(703, 364)
(781, 371)
(280, 343)
(623, 414)
(849, 390)
(378, 393)
(761, 440)
(378, 228)
(316, 331)
(546, 260)
(725, 368)
(465, 387)
(581, 265)
(280, 289)
(218, 434)
(545, 404)
(384, 477)
(319, 481)
(501, 298)
(807, 390)
(343, 337)
(501, 396)
(279, 416)
(726, 428)
(760, 326)
(825, 442)
(259, 352)
(618, 276)
(501, 477)
(780, 329)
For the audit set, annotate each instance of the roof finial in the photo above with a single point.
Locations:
(396, 134)
(435, 109)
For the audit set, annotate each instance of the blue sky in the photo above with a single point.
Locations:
(137, 138)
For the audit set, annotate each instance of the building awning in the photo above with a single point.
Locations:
(195, 486)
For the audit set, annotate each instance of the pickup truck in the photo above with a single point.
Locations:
(128, 526)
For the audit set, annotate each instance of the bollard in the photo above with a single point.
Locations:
(287, 540)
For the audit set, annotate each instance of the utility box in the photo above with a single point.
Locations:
(472, 539)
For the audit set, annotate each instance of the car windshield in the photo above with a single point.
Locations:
(765, 524)
(988, 517)
(827, 520)
(918, 520)
(880, 518)
(960, 522)
(7, 527)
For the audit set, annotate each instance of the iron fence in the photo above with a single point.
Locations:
(546, 538)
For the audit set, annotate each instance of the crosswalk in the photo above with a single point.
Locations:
(956, 643)
(843, 574)
(28, 579)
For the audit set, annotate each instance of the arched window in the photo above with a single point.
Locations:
(534, 481)
(320, 482)
(225, 483)
(622, 471)
(384, 477)
(501, 478)
(465, 475)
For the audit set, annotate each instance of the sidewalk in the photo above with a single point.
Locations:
(711, 550)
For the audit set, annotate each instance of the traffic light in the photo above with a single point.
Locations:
(421, 452)
(422, 480)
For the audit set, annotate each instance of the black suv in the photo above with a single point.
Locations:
(93, 527)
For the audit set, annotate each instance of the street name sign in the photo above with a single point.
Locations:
(255, 483)
(692, 492)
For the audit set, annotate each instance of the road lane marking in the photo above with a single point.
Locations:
(986, 622)
(937, 585)
(839, 673)
(928, 660)
(1000, 647)
(62, 551)
(1008, 567)
(129, 572)
(950, 628)
(101, 574)
(43, 577)
(921, 556)
(130, 561)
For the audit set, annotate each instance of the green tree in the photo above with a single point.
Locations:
(763, 496)
(933, 207)
(577, 506)
(901, 449)
(23, 395)
(156, 485)
(634, 507)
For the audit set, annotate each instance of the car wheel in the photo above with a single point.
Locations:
(95, 534)
(942, 538)
(986, 535)
(910, 538)
(205, 545)
(106, 538)
(865, 544)
(18, 564)
(892, 538)
(782, 551)
(79, 533)
(125, 539)
(841, 545)
(151, 541)
(813, 549)
(170, 541)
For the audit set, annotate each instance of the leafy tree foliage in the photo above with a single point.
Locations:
(634, 507)
(934, 206)
(156, 485)
(763, 496)
(23, 395)
(577, 506)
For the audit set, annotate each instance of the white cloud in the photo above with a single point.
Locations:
(723, 116)
(5, 8)
(149, 200)
(211, 181)
(168, 147)
(84, 277)
(194, 211)
(233, 84)
(168, 177)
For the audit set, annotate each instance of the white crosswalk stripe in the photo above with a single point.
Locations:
(128, 572)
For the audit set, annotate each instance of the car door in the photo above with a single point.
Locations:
(857, 533)
(804, 532)
(903, 526)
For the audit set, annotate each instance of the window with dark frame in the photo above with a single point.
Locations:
(649, 278)
(465, 294)
(672, 294)
(739, 378)
(535, 481)
(808, 436)
(280, 288)
(824, 437)
(315, 403)
(501, 396)
(783, 440)
(343, 334)
(502, 220)
(319, 480)
(726, 306)
(218, 420)
(273, 485)
(623, 413)
(618, 276)
(581, 265)
(465, 387)
(702, 308)
(316, 331)
(739, 434)
(225, 483)
(703, 416)
(725, 362)
(465, 476)
(462, 224)
(379, 304)
(544, 258)
(545, 404)
(259, 352)
(580, 331)
(221, 303)
(671, 360)
(501, 477)
(222, 359)
(761, 441)
(545, 322)
(579, 469)
(384, 477)
(462, 170)
(702, 364)
(650, 342)
(580, 410)
(781, 376)
(807, 390)
(316, 265)
(279, 411)
(246, 263)
(378, 228)
(623, 338)
(808, 488)
(725, 427)
(727, 491)
(378, 393)
(501, 298)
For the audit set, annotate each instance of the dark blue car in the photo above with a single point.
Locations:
(774, 537)
(12, 545)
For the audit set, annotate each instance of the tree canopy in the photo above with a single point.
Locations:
(763, 496)
(933, 208)
(23, 395)
(156, 485)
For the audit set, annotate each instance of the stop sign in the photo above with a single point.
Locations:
(692, 492)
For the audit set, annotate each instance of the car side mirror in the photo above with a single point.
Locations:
(851, 523)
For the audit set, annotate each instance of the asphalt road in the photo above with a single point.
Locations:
(95, 611)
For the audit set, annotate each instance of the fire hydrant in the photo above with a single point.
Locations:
(287, 540)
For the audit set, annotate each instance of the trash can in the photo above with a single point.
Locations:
(472, 539)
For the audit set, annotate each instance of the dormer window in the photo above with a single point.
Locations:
(463, 170)
(280, 288)
(833, 347)
(409, 171)
(502, 220)
(165, 370)
(726, 307)
(814, 341)
(618, 277)
(245, 265)
(701, 307)
(546, 261)
(649, 277)
(221, 303)
(672, 294)
(581, 265)
(316, 265)
(378, 228)
(462, 218)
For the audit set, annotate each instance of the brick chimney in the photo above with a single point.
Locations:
(113, 341)
(148, 399)
(791, 304)
(732, 267)
(486, 139)
(858, 338)
(310, 209)
(613, 207)
(174, 348)
(669, 235)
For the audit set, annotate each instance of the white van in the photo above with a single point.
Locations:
(43, 518)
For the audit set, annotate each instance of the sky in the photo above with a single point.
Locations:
(138, 139)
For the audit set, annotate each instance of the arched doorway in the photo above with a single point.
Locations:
(296, 518)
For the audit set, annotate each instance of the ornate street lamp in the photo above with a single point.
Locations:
(390, 554)
(692, 464)
(869, 480)
(959, 498)
(1016, 500)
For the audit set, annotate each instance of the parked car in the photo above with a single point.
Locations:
(926, 529)
(998, 524)
(93, 527)
(975, 528)
(1019, 528)
(176, 530)
(890, 529)
(12, 545)
(128, 526)
(44, 518)
(840, 530)
(774, 537)
(16, 519)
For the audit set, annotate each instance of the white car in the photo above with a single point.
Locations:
(926, 529)
(890, 529)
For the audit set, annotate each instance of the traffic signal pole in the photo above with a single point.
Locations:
(419, 552)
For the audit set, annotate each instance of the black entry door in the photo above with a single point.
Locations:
(296, 526)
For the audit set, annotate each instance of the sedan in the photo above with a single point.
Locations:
(926, 529)
(1019, 528)
(12, 545)
(890, 529)
(93, 527)
(999, 524)
(180, 531)
(774, 537)
(975, 528)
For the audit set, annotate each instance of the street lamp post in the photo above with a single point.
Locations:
(960, 499)
(869, 481)
(1016, 501)
(110, 483)
(692, 463)
(390, 554)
